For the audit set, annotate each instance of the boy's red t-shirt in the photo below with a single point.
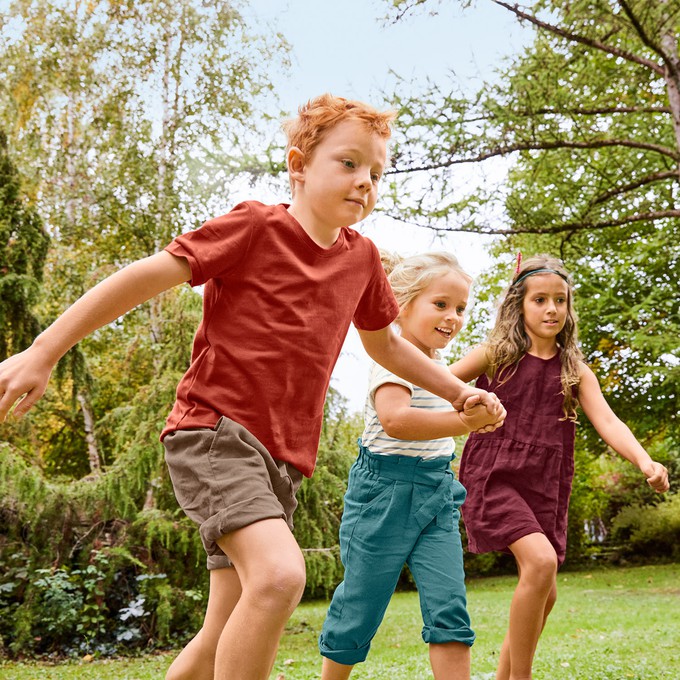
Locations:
(276, 310)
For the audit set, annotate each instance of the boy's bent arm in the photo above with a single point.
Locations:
(28, 372)
(403, 359)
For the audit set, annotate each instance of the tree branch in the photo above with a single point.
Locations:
(649, 179)
(628, 219)
(538, 146)
(590, 42)
(547, 111)
(646, 39)
(556, 229)
(603, 111)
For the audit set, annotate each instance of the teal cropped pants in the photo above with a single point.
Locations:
(398, 510)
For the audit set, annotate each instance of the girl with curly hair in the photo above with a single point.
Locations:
(518, 477)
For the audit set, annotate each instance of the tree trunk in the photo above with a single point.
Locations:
(92, 448)
(669, 43)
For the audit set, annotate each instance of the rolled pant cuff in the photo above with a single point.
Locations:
(442, 635)
(348, 657)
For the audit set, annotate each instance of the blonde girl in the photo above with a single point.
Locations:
(402, 499)
(519, 477)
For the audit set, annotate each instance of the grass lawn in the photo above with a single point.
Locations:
(611, 624)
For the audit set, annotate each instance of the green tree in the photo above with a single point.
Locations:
(23, 247)
(126, 114)
(589, 117)
(586, 119)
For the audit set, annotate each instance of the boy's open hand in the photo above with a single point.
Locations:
(22, 375)
(482, 411)
(657, 476)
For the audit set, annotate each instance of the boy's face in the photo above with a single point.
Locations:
(337, 186)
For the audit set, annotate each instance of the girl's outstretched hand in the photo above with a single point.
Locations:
(657, 476)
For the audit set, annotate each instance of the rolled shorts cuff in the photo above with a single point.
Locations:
(220, 561)
(236, 517)
(433, 635)
(347, 657)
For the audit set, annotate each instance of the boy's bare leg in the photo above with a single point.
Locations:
(450, 661)
(332, 670)
(271, 571)
(197, 660)
(532, 601)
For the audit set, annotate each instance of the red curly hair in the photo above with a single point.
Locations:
(319, 115)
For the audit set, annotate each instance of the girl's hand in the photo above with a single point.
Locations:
(657, 476)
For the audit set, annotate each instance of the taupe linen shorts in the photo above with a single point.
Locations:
(225, 479)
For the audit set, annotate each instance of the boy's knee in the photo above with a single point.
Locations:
(290, 580)
(280, 586)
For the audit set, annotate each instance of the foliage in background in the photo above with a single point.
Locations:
(643, 529)
(100, 565)
(587, 119)
(317, 517)
(23, 247)
(120, 117)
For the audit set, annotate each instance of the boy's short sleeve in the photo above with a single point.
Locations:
(217, 247)
(377, 307)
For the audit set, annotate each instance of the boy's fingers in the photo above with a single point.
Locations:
(5, 406)
(492, 403)
(23, 406)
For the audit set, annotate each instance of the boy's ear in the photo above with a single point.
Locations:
(296, 164)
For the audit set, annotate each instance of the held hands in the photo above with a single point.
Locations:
(657, 476)
(482, 412)
(23, 375)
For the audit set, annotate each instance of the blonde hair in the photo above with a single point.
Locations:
(411, 275)
(508, 341)
(319, 115)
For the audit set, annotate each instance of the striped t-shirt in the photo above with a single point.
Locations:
(378, 441)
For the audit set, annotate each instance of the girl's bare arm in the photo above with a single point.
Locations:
(472, 365)
(616, 433)
(401, 420)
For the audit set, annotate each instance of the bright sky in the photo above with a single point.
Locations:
(343, 47)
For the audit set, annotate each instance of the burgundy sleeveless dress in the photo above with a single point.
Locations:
(518, 478)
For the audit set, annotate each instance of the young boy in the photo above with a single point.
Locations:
(282, 284)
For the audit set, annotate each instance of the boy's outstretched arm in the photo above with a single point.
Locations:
(616, 433)
(26, 374)
(403, 359)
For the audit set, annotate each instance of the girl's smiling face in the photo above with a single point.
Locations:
(545, 307)
(433, 318)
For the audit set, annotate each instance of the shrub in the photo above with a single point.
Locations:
(650, 530)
